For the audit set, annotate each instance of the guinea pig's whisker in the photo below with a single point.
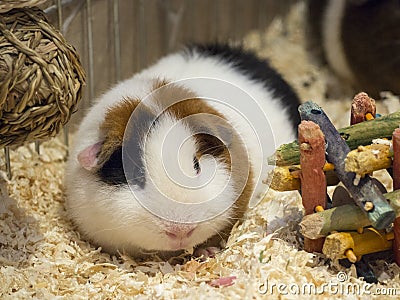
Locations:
(231, 221)
(140, 178)
(111, 228)
(217, 232)
(215, 229)
(215, 147)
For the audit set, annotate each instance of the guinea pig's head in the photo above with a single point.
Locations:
(178, 172)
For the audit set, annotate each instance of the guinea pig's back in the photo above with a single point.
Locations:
(262, 76)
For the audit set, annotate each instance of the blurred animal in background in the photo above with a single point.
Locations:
(359, 40)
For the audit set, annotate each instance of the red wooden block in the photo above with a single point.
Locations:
(313, 181)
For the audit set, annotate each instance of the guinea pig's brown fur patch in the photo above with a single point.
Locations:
(113, 126)
(117, 118)
(115, 121)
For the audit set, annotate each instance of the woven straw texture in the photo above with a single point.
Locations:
(6, 5)
(41, 78)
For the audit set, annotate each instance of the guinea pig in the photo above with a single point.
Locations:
(170, 159)
(359, 39)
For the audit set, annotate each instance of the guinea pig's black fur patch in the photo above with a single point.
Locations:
(112, 171)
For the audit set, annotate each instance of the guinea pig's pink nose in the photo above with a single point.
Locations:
(179, 231)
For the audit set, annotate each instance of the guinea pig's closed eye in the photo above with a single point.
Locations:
(196, 165)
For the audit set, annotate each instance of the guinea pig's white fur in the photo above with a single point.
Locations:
(111, 217)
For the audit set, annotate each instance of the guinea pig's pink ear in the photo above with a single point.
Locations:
(88, 157)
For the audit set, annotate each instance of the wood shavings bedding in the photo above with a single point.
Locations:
(43, 257)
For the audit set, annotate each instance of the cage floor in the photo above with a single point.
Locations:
(42, 256)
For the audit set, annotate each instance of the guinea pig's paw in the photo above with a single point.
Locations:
(205, 252)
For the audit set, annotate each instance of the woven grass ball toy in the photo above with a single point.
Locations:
(41, 78)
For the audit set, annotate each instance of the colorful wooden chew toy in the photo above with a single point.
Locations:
(349, 230)
(365, 193)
